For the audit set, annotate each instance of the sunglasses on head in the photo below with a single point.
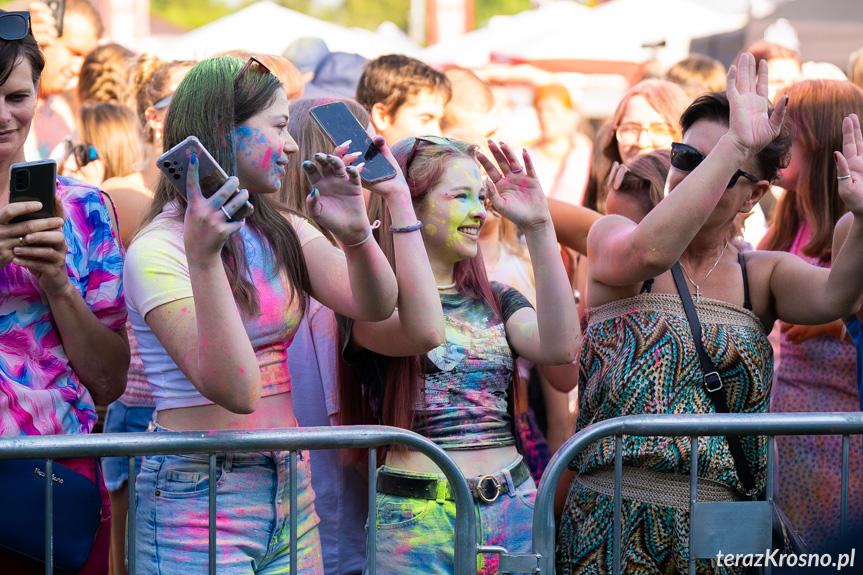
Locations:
(249, 62)
(14, 25)
(82, 153)
(435, 140)
(686, 158)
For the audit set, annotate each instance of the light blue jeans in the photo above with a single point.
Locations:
(415, 536)
(252, 515)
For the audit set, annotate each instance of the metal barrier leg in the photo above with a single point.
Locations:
(843, 510)
(49, 516)
(131, 527)
(771, 467)
(212, 512)
(618, 503)
(372, 533)
(294, 512)
(693, 494)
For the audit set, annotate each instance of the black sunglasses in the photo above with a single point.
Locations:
(14, 25)
(435, 140)
(82, 153)
(686, 158)
(249, 62)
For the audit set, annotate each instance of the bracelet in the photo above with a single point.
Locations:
(374, 226)
(411, 228)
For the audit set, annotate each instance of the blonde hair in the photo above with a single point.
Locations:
(147, 83)
(103, 74)
(855, 67)
(112, 128)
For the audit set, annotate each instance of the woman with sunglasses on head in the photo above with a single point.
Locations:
(457, 393)
(215, 303)
(61, 299)
(639, 354)
(818, 367)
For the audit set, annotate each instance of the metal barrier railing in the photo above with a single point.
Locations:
(694, 425)
(292, 440)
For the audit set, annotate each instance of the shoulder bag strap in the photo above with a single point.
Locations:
(712, 380)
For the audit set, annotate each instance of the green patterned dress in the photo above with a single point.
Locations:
(638, 357)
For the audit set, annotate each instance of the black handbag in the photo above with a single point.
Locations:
(784, 537)
(77, 511)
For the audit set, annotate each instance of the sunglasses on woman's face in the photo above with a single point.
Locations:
(14, 25)
(686, 158)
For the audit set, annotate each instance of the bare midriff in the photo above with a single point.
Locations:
(473, 463)
(273, 412)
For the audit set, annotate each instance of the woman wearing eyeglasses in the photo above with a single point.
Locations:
(638, 355)
(458, 393)
(63, 344)
(215, 303)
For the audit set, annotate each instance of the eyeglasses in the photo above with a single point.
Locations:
(164, 102)
(249, 62)
(660, 134)
(435, 140)
(82, 153)
(686, 158)
(14, 25)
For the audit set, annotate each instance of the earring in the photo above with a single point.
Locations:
(158, 135)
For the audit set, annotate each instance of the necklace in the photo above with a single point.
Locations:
(698, 285)
(450, 286)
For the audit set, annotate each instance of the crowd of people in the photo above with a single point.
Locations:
(495, 296)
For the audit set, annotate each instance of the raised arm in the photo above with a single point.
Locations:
(572, 223)
(652, 246)
(551, 334)
(839, 292)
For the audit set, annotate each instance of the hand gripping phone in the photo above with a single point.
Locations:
(340, 125)
(175, 164)
(58, 7)
(33, 182)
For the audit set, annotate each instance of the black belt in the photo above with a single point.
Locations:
(486, 488)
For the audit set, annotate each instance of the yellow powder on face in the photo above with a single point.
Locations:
(431, 229)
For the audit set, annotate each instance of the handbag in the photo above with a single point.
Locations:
(783, 536)
(77, 511)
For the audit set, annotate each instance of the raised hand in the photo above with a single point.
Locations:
(336, 201)
(516, 194)
(206, 225)
(746, 88)
(849, 165)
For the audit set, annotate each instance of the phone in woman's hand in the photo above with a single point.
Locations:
(175, 164)
(33, 182)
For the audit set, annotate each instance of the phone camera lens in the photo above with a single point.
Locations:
(167, 164)
(172, 170)
(176, 176)
(175, 163)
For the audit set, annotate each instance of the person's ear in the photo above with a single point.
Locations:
(381, 118)
(760, 188)
(154, 121)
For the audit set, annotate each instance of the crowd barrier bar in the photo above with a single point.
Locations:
(51, 447)
(692, 425)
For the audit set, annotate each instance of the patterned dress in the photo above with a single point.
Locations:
(638, 357)
(817, 375)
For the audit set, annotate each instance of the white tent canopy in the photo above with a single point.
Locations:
(268, 28)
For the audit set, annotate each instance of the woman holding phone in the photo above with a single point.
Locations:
(61, 296)
(456, 394)
(215, 304)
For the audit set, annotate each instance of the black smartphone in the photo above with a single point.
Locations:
(175, 163)
(58, 7)
(33, 182)
(340, 125)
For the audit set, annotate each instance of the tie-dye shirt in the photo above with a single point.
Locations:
(41, 395)
(157, 273)
(467, 378)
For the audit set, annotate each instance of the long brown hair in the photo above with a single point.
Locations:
(405, 374)
(210, 103)
(816, 108)
(113, 129)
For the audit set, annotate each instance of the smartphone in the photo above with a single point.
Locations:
(175, 163)
(33, 182)
(58, 7)
(340, 125)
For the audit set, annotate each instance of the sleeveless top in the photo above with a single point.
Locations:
(638, 357)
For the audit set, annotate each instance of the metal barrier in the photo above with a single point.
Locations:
(212, 443)
(694, 425)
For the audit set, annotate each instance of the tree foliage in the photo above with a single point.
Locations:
(190, 14)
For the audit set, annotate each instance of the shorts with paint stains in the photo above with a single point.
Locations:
(252, 511)
(415, 536)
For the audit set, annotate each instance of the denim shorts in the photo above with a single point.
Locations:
(122, 418)
(415, 536)
(252, 515)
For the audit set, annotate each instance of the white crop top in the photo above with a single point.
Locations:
(156, 272)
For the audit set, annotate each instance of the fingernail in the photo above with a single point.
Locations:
(314, 192)
(836, 157)
(194, 158)
(360, 165)
(345, 143)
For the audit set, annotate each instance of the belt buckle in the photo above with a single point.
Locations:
(712, 381)
(481, 488)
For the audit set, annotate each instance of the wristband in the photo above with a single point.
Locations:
(411, 228)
